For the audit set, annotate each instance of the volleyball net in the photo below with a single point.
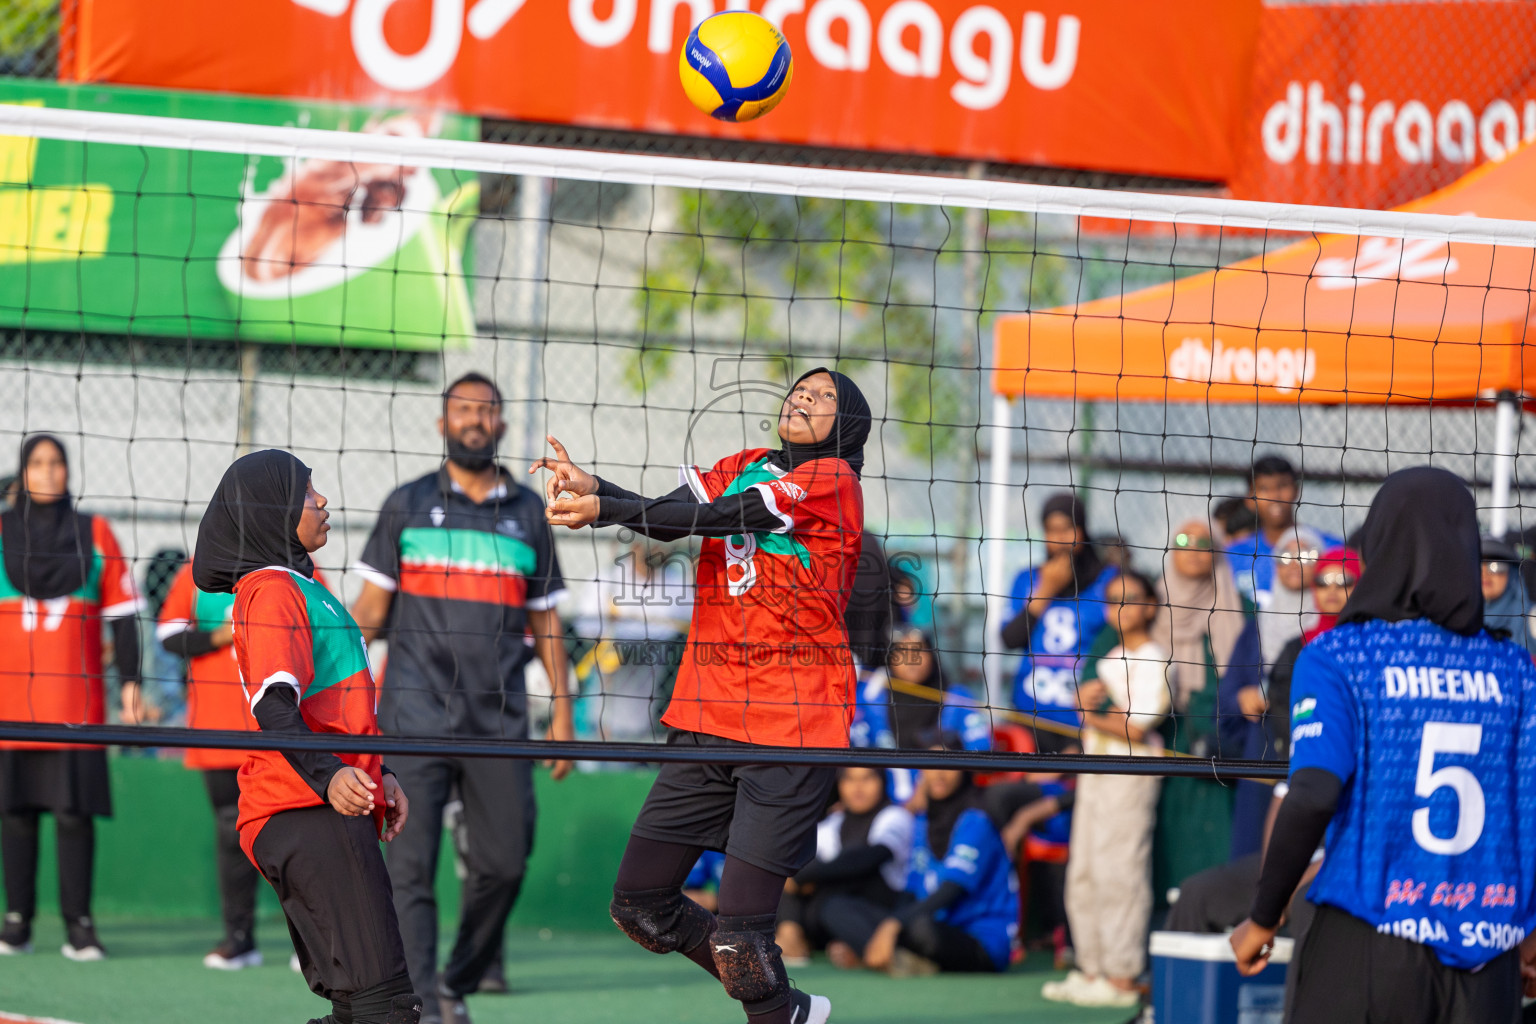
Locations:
(176, 292)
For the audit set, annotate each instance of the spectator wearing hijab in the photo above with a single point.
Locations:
(64, 579)
(899, 705)
(1506, 605)
(1408, 679)
(1058, 611)
(1256, 716)
(962, 896)
(1290, 611)
(1202, 621)
(862, 849)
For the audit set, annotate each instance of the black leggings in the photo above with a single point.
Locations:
(77, 857)
(853, 921)
(238, 877)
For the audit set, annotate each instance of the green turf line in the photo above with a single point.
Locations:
(155, 976)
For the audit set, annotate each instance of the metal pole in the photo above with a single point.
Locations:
(245, 414)
(1506, 426)
(995, 538)
(531, 273)
(973, 240)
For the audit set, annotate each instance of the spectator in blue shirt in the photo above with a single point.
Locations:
(1058, 611)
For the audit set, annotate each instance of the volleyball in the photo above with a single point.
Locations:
(735, 66)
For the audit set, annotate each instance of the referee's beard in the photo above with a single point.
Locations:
(476, 458)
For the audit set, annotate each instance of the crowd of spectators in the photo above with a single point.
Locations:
(914, 872)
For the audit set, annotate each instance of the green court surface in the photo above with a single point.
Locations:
(155, 976)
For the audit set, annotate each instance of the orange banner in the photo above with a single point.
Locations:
(1148, 88)
(1372, 105)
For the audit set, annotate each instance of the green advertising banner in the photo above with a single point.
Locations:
(134, 240)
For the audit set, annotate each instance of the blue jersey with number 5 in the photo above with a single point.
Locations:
(1434, 737)
(1046, 683)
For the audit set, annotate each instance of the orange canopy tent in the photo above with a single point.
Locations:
(1332, 319)
(1328, 320)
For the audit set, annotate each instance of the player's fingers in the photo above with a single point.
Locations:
(559, 448)
(543, 462)
(358, 785)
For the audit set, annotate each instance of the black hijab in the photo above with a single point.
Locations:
(854, 831)
(1087, 563)
(915, 717)
(1421, 552)
(48, 546)
(252, 521)
(849, 430)
(944, 814)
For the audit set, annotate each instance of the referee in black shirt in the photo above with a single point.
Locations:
(459, 573)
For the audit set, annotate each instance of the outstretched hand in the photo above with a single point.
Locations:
(566, 475)
(572, 512)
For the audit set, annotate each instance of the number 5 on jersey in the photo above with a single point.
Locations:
(1449, 738)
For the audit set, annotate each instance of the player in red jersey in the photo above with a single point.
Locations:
(766, 664)
(310, 822)
(196, 625)
(64, 578)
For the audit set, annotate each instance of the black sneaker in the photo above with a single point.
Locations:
(16, 935)
(451, 1007)
(83, 945)
(495, 980)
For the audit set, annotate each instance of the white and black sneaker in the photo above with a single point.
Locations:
(16, 935)
(227, 956)
(809, 1009)
(83, 945)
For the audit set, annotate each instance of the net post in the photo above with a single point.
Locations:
(1506, 426)
(994, 539)
(533, 211)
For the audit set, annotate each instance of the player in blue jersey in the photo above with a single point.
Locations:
(1413, 735)
(1057, 611)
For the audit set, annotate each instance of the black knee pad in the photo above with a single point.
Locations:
(751, 967)
(661, 920)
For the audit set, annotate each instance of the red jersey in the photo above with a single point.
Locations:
(51, 671)
(291, 631)
(215, 695)
(767, 656)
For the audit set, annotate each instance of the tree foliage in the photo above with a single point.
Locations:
(889, 283)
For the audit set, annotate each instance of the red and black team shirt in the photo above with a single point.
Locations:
(464, 576)
(50, 669)
(767, 657)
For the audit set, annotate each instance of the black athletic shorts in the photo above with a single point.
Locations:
(1349, 973)
(764, 814)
